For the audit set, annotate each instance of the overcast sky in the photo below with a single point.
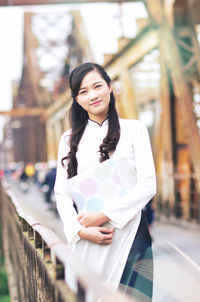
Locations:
(102, 24)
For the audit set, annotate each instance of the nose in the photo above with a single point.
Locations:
(92, 94)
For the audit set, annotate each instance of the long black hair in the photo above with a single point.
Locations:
(78, 118)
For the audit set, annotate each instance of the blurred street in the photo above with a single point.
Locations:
(33, 202)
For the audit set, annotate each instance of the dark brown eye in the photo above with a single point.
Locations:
(83, 92)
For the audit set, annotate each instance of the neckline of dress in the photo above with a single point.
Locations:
(93, 123)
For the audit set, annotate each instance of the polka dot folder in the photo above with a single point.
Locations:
(92, 189)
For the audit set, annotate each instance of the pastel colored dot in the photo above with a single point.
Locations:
(108, 191)
(94, 204)
(78, 198)
(103, 172)
(88, 186)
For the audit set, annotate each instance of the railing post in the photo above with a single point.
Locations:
(30, 232)
(60, 270)
(46, 252)
(24, 225)
(38, 240)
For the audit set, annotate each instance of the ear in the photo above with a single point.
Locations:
(110, 88)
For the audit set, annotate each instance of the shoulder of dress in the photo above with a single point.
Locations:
(131, 123)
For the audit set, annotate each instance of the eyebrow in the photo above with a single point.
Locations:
(99, 81)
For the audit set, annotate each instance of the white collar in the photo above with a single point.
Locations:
(95, 124)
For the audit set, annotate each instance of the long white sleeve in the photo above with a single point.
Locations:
(145, 188)
(63, 200)
(135, 145)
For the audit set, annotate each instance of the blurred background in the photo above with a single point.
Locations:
(151, 50)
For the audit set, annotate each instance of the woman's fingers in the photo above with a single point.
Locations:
(92, 219)
(86, 219)
(99, 235)
(105, 230)
(80, 216)
(106, 242)
(107, 235)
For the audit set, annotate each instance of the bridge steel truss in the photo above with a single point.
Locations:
(179, 135)
(176, 143)
(40, 2)
(176, 139)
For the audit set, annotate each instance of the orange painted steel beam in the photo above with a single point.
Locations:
(39, 2)
(23, 112)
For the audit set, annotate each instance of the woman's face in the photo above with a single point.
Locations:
(94, 96)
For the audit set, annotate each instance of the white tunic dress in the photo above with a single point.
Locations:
(109, 260)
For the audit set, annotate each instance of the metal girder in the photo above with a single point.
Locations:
(39, 2)
(175, 62)
(23, 112)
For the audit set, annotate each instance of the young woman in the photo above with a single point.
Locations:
(114, 242)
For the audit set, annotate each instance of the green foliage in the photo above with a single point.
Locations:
(5, 299)
(4, 282)
(4, 292)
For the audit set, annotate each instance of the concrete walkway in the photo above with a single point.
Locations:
(176, 263)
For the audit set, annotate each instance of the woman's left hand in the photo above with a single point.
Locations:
(92, 219)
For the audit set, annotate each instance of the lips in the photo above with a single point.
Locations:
(95, 103)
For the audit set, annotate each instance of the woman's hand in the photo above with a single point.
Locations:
(92, 219)
(99, 235)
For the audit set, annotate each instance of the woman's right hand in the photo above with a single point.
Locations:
(98, 235)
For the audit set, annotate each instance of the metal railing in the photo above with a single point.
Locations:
(37, 260)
